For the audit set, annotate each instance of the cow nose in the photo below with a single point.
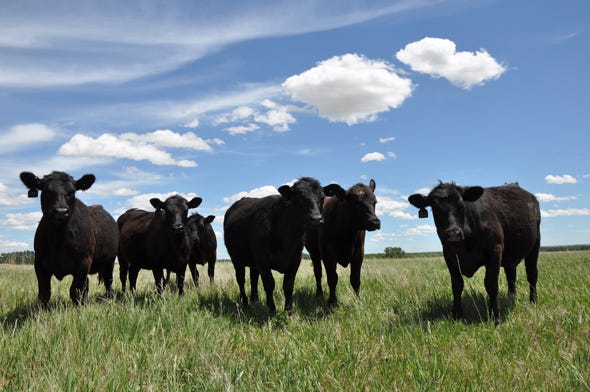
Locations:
(178, 227)
(374, 224)
(454, 234)
(60, 212)
(316, 219)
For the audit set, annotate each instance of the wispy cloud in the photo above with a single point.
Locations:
(565, 179)
(548, 197)
(24, 135)
(565, 212)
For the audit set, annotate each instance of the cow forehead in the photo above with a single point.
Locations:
(361, 192)
(444, 191)
(308, 188)
(176, 201)
(56, 182)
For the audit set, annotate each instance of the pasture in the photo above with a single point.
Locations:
(397, 336)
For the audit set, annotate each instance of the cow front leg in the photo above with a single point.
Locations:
(133, 273)
(269, 286)
(457, 285)
(355, 275)
(158, 278)
(180, 274)
(192, 267)
(288, 284)
(332, 278)
(44, 285)
(79, 289)
(491, 284)
(211, 271)
(317, 272)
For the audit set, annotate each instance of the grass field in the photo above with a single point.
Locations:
(397, 336)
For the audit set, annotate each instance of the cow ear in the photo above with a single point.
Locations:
(372, 185)
(418, 200)
(157, 203)
(472, 193)
(209, 219)
(285, 191)
(85, 182)
(195, 202)
(30, 180)
(334, 190)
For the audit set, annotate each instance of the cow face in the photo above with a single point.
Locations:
(175, 211)
(58, 192)
(196, 226)
(308, 196)
(448, 207)
(361, 202)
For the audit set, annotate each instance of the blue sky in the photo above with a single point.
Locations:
(225, 99)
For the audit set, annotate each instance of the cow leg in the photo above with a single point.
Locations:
(457, 285)
(79, 289)
(180, 280)
(491, 282)
(532, 272)
(211, 271)
(317, 272)
(108, 278)
(241, 279)
(253, 284)
(332, 277)
(158, 278)
(269, 286)
(355, 275)
(510, 271)
(167, 277)
(133, 272)
(44, 285)
(123, 269)
(288, 284)
(192, 267)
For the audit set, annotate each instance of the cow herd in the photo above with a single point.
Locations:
(490, 227)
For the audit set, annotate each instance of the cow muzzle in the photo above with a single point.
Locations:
(374, 224)
(454, 234)
(61, 213)
(316, 219)
(178, 228)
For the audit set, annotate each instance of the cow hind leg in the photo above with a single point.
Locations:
(133, 272)
(254, 284)
(269, 286)
(79, 289)
(510, 271)
(123, 270)
(241, 279)
(158, 279)
(532, 272)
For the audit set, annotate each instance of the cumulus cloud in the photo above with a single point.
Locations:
(377, 156)
(23, 221)
(167, 138)
(23, 135)
(565, 212)
(127, 146)
(392, 207)
(565, 179)
(350, 88)
(439, 58)
(7, 197)
(263, 191)
(248, 119)
(548, 197)
(421, 230)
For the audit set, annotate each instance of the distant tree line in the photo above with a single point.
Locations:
(23, 257)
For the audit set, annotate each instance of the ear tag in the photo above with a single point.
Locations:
(33, 193)
(423, 213)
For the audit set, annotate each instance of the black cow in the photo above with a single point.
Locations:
(491, 227)
(156, 240)
(267, 234)
(341, 239)
(72, 238)
(203, 248)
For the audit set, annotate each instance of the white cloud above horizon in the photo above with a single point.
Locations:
(23, 135)
(377, 156)
(438, 57)
(263, 191)
(548, 197)
(565, 179)
(392, 207)
(565, 212)
(350, 88)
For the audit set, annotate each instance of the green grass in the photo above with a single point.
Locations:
(397, 336)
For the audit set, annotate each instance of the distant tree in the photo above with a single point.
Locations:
(394, 252)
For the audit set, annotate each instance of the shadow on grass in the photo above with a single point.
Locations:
(475, 309)
(305, 304)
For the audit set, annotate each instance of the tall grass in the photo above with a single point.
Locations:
(397, 336)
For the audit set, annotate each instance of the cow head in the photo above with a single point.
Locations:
(58, 192)
(361, 202)
(308, 196)
(175, 211)
(196, 225)
(448, 207)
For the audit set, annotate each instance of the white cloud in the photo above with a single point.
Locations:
(242, 129)
(439, 58)
(350, 88)
(263, 191)
(386, 139)
(423, 191)
(11, 246)
(249, 119)
(24, 221)
(192, 124)
(565, 212)
(216, 141)
(112, 146)
(23, 135)
(125, 192)
(8, 198)
(167, 138)
(547, 197)
(277, 117)
(377, 156)
(421, 230)
(381, 236)
(392, 207)
(565, 179)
